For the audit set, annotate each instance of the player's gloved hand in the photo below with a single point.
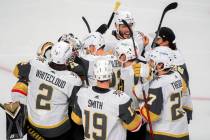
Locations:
(136, 69)
(12, 108)
(102, 28)
(189, 115)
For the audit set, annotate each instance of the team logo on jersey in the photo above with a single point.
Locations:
(118, 92)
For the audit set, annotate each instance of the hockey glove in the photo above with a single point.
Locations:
(12, 108)
(189, 115)
(102, 29)
(136, 69)
(15, 120)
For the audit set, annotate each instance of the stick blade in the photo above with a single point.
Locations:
(171, 6)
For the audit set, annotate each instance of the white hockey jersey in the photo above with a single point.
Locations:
(165, 106)
(103, 114)
(180, 67)
(49, 92)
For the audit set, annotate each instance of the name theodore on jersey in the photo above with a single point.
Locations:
(50, 78)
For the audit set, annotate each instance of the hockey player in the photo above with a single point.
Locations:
(50, 92)
(129, 80)
(93, 45)
(169, 120)
(105, 113)
(122, 32)
(127, 83)
(166, 39)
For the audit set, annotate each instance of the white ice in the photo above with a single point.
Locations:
(25, 24)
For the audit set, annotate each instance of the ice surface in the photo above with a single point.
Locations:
(25, 24)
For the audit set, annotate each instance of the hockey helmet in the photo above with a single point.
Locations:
(102, 69)
(123, 15)
(125, 47)
(61, 52)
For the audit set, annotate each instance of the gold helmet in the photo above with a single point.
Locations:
(44, 48)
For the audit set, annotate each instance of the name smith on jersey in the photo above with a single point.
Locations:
(95, 104)
(50, 78)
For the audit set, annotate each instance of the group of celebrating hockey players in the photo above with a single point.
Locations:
(105, 87)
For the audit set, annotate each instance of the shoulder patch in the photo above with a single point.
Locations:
(118, 92)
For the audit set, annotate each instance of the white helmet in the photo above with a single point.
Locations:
(123, 15)
(44, 50)
(162, 55)
(71, 39)
(125, 47)
(102, 69)
(61, 52)
(95, 39)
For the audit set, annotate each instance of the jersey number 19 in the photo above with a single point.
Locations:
(99, 122)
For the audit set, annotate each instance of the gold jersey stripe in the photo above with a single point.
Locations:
(133, 124)
(76, 118)
(171, 135)
(153, 116)
(51, 126)
(187, 107)
(184, 86)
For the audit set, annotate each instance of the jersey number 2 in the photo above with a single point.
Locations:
(44, 96)
(176, 112)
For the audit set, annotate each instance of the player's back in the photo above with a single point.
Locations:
(49, 91)
(165, 93)
(101, 113)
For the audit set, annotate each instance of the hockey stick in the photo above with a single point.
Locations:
(116, 6)
(86, 23)
(144, 94)
(169, 7)
(103, 28)
(131, 34)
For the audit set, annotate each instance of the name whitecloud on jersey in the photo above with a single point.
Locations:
(50, 78)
